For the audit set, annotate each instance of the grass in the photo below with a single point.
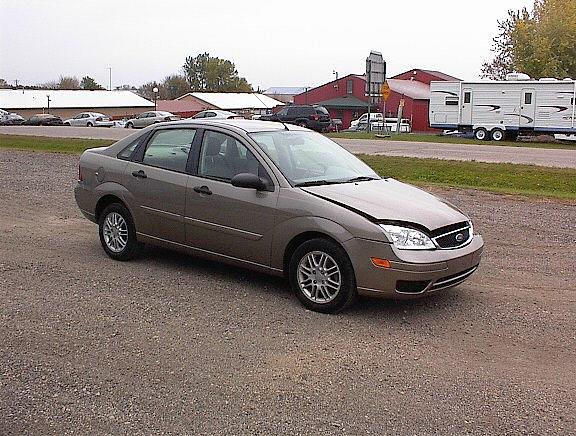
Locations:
(503, 178)
(416, 137)
(57, 145)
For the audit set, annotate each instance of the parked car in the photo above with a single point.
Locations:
(43, 120)
(278, 199)
(218, 114)
(311, 116)
(148, 118)
(363, 119)
(10, 118)
(90, 119)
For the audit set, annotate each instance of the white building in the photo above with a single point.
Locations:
(66, 104)
(244, 103)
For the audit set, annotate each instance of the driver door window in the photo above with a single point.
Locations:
(222, 157)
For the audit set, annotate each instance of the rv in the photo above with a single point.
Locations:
(504, 109)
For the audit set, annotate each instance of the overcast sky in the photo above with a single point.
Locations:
(289, 43)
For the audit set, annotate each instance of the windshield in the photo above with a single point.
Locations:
(308, 158)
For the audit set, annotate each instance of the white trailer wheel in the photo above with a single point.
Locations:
(497, 134)
(481, 134)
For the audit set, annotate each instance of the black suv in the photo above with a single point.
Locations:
(311, 116)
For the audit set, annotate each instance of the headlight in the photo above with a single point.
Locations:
(407, 239)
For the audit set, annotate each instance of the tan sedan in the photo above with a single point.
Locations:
(278, 199)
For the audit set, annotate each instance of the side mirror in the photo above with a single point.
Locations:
(249, 180)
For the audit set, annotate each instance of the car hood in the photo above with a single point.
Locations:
(390, 200)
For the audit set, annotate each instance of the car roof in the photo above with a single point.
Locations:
(249, 126)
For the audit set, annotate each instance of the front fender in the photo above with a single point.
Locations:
(286, 231)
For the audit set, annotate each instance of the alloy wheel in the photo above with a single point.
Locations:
(115, 231)
(319, 277)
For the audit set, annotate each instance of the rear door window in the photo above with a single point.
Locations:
(169, 149)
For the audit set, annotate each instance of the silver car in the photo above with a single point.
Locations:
(278, 199)
(217, 114)
(89, 119)
(148, 118)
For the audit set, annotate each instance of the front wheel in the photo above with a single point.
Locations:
(322, 276)
(118, 233)
(129, 125)
(481, 134)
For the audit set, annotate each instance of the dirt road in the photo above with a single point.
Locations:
(172, 344)
(424, 150)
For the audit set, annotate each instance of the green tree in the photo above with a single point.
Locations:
(540, 43)
(174, 86)
(147, 91)
(212, 74)
(89, 83)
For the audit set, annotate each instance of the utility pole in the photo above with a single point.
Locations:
(48, 97)
(110, 82)
(368, 81)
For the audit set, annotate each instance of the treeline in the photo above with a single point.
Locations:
(203, 73)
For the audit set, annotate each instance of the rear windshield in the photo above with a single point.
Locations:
(321, 110)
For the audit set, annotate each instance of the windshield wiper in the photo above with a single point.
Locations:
(361, 179)
(316, 183)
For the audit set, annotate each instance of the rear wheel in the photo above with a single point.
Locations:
(89, 124)
(129, 125)
(302, 123)
(322, 277)
(497, 134)
(118, 233)
(481, 134)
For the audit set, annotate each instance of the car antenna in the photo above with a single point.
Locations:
(285, 126)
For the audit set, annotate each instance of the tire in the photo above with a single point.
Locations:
(317, 290)
(481, 134)
(497, 135)
(67, 124)
(89, 124)
(118, 233)
(129, 125)
(302, 123)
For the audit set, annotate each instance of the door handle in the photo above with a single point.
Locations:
(140, 174)
(202, 190)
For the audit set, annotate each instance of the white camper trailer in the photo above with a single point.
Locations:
(495, 110)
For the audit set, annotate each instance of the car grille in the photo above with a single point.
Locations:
(454, 236)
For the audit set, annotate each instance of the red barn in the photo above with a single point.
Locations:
(345, 98)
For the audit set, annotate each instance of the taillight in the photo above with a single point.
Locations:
(99, 119)
(80, 176)
(314, 117)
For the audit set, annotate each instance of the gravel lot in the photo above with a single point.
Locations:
(173, 344)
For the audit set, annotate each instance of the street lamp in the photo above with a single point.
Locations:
(155, 91)
(48, 109)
